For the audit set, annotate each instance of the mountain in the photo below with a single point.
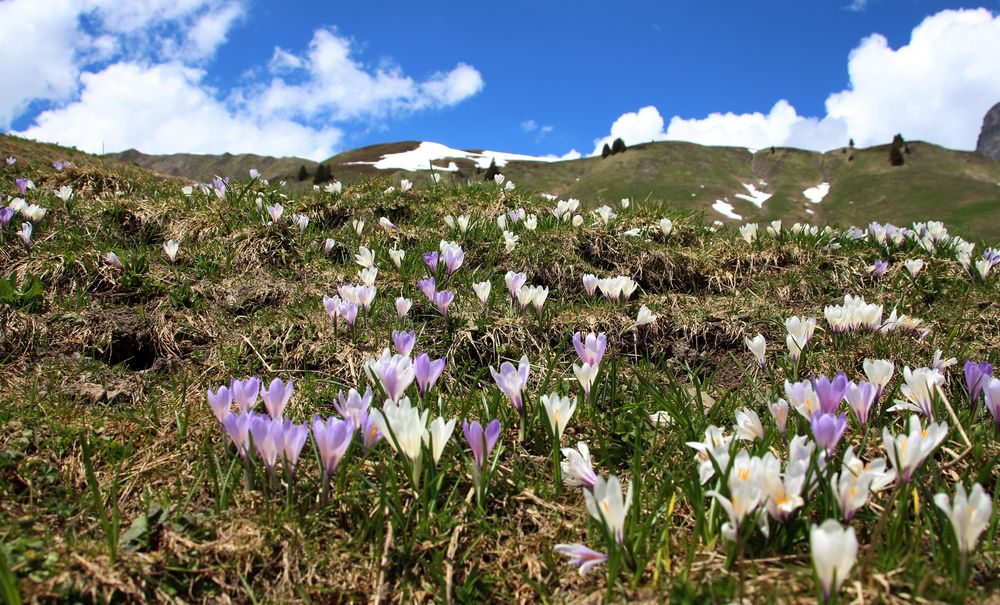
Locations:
(988, 143)
(731, 184)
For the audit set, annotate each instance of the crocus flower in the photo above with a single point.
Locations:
(802, 397)
(879, 373)
(403, 341)
(354, 407)
(914, 266)
(512, 381)
(861, 398)
(757, 346)
(11, 160)
(386, 224)
(991, 392)
(645, 316)
(580, 555)
(453, 255)
(969, 514)
(22, 184)
(220, 401)
(590, 283)
(482, 290)
(514, 283)
(577, 469)
(405, 185)
(744, 498)
(237, 427)
(219, 186)
(397, 257)
(908, 451)
(559, 411)
(481, 440)
(6, 213)
(800, 331)
(827, 429)
(245, 392)
(276, 397)
(607, 504)
(443, 300)
(65, 193)
(112, 259)
(431, 260)
(591, 348)
(586, 374)
(437, 436)
(349, 311)
(25, 234)
(170, 248)
(749, 232)
(779, 412)
(275, 212)
(427, 287)
(295, 436)
(403, 306)
(359, 226)
(394, 372)
(834, 551)
(920, 389)
(370, 435)
(748, 426)
(365, 257)
(510, 241)
(268, 440)
(406, 426)
(830, 392)
(878, 268)
(328, 245)
(427, 372)
(975, 376)
(333, 437)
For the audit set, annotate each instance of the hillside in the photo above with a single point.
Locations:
(203, 168)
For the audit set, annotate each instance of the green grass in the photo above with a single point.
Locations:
(118, 484)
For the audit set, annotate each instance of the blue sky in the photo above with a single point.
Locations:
(311, 77)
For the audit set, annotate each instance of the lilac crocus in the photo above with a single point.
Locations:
(512, 381)
(454, 256)
(591, 348)
(481, 441)
(60, 165)
(830, 392)
(404, 340)
(443, 300)
(11, 160)
(349, 311)
(294, 439)
(370, 435)
(427, 287)
(354, 406)
(827, 429)
(991, 393)
(25, 234)
(579, 554)
(333, 437)
(237, 427)
(514, 283)
(861, 398)
(22, 184)
(220, 401)
(394, 372)
(878, 268)
(276, 397)
(245, 392)
(976, 375)
(219, 186)
(427, 372)
(6, 214)
(431, 260)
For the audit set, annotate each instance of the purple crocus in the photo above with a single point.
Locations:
(454, 256)
(827, 429)
(294, 438)
(370, 435)
(427, 372)
(219, 186)
(349, 311)
(245, 392)
(590, 349)
(991, 392)
(11, 160)
(22, 184)
(976, 375)
(404, 340)
(431, 260)
(333, 437)
(60, 165)
(830, 392)
(237, 427)
(6, 214)
(276, 397)
(481, 441)
(512, 381)
(220, 401)
(878, 268)
(427, 287)
(268, 439)
(353, 407)
(443, 300)
(861, 398)
(579, 554)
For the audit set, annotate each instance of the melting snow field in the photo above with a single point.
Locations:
(817, 193)
(726, 210)
(422, 157)
(755, 197)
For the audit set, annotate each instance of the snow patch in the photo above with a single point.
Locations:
(726, 210)
(427, 152)
(755, 197)
(817, 193)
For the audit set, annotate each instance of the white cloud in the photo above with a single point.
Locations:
(858, 6)
(935, 88)
(167, 108)
(529, 125)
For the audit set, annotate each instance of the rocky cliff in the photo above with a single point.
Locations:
(989, 136)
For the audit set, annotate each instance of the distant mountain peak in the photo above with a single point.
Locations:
(989, 136)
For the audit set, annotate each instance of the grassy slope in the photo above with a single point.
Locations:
(123, 359)
(203, 168)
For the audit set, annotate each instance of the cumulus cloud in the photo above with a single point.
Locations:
(114, 74)
(935, 88)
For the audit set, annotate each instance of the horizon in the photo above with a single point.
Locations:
(246, 76)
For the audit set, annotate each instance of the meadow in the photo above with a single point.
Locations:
(465, 392)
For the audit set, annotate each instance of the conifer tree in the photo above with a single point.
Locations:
(303, 173)
(606, 151)
(618, 146)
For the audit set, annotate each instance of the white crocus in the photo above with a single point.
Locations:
(920, 389)
(914, 266)
(607, 504)
(749, 232)
(907, 451)
(757, 346)
(359, 226)
(577, 468)
(170, 248)
(585, 375)
(879, 372)
(482, 290)
(559, 411)
(365, 257)
(438, 435)
(748, 426)
(834, 551)
(275, 212)
(666, 227)
(510, 241)
(969, 514)
(744, 497)
(397, 257)
(644, 317)
(403, 306)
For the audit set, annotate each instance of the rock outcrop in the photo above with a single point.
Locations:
(989, 136)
